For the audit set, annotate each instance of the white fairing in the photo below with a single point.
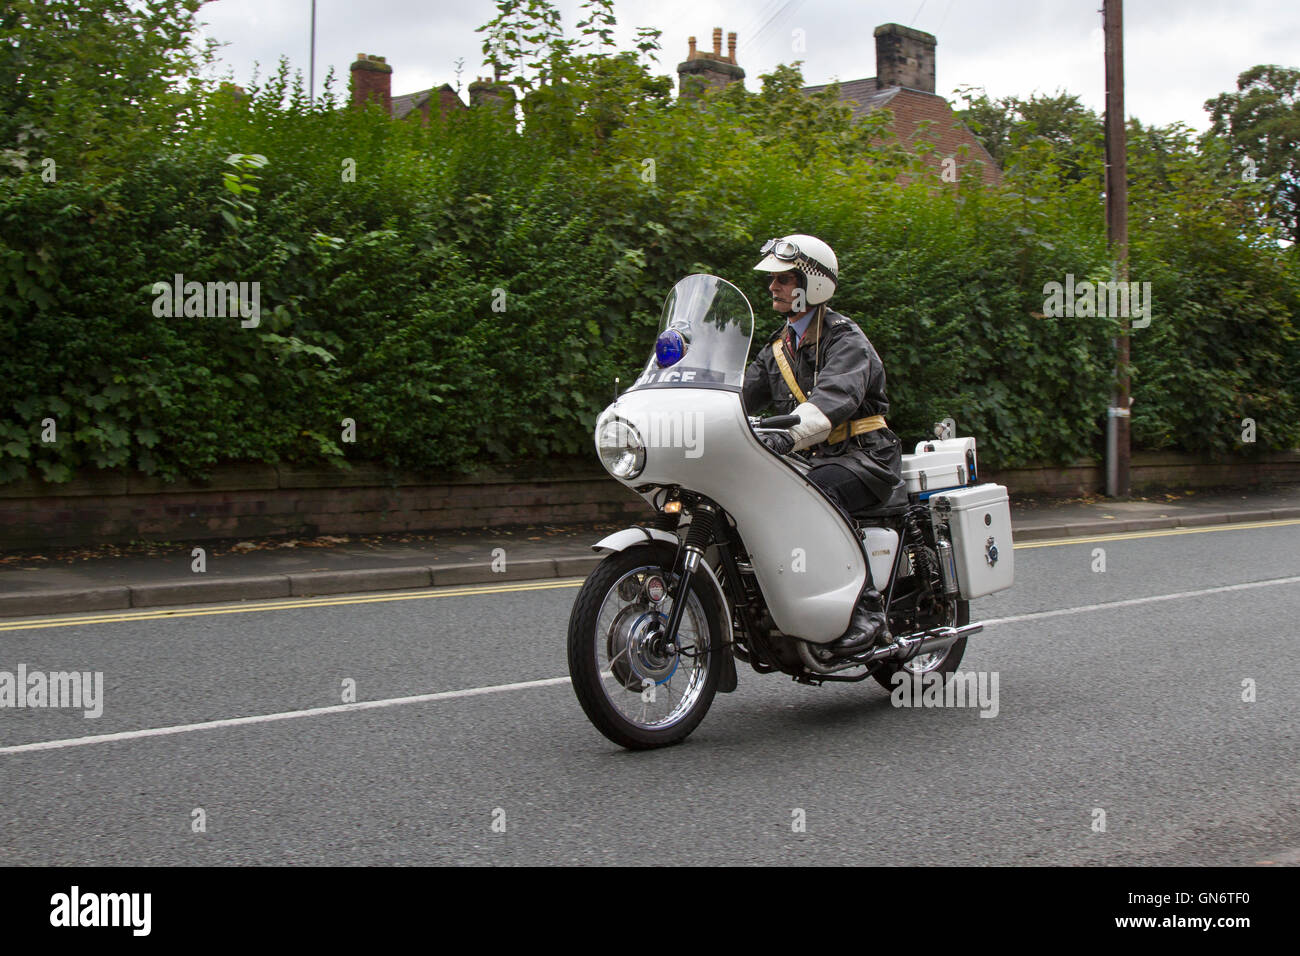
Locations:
(805, 556)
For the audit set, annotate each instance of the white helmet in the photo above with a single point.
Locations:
(811, 258)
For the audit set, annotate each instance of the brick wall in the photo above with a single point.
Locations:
(1148, 471)
(260, 501)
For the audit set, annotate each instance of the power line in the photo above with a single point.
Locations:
(752, 26)
(790, 6)
(945, 17)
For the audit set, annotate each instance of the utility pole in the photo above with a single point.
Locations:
(1117, 416)
(311, 82)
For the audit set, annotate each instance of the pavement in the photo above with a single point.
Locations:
(159, 574)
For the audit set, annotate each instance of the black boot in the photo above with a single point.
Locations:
(868, 625)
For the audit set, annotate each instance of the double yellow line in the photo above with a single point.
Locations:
(283, 604)
(1160, 533)
(288, 604)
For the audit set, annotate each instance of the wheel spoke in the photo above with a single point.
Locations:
(633, 625)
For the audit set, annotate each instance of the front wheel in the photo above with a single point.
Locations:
(637, 693)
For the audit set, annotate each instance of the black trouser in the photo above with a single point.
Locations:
(845, 489)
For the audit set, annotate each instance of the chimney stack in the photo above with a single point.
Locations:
(372, 80)
(904, 57)
(484, 91)
(709, 71)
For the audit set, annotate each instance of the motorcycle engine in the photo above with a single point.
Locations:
(921, 581)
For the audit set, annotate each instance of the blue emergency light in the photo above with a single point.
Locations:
(669, 348)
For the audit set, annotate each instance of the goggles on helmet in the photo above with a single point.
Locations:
(783, 249)
(786, 251)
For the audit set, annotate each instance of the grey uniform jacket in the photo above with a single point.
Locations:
(838, 370)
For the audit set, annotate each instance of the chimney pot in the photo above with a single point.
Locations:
(702, 71)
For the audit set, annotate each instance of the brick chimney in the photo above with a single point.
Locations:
(485, 91)
(372, 80)
(709, 71)
(904, 57)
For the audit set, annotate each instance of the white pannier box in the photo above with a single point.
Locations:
(979, 525)
(938, 464)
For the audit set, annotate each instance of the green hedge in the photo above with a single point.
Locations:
(377, 294)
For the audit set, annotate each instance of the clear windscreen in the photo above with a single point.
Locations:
(714, 324)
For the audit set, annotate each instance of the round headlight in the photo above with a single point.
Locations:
(621, 449)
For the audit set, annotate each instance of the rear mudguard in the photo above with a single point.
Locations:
(628, 537)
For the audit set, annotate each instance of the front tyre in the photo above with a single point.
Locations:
(637, 693)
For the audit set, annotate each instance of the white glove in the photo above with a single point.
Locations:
(813, 426)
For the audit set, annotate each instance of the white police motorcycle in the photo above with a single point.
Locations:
(745, 558)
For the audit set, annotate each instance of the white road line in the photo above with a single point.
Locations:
(1142, 600)
(287, 715)
(551, 681)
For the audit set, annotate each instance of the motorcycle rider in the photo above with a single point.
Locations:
(820, 366)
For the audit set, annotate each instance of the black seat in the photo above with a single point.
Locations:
(892, 506)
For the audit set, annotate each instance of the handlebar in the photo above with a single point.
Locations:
(780, 421)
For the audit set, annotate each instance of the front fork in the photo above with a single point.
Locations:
(699, 535)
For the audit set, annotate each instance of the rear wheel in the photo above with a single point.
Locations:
(635, 690)
(945, 661)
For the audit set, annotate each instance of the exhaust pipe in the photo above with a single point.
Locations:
(926, 642)
(903, 648)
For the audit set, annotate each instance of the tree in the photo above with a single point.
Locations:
(575, 90)
(1006, 125)
(88, 82)
(1261, 121)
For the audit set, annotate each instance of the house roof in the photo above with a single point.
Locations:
(912, 109)
(408, 102)
(863, 95)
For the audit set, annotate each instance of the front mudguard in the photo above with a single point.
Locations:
(629, 537)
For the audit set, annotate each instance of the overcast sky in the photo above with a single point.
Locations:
(1177, 53)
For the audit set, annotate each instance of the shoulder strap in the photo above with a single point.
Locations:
(787, 373)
